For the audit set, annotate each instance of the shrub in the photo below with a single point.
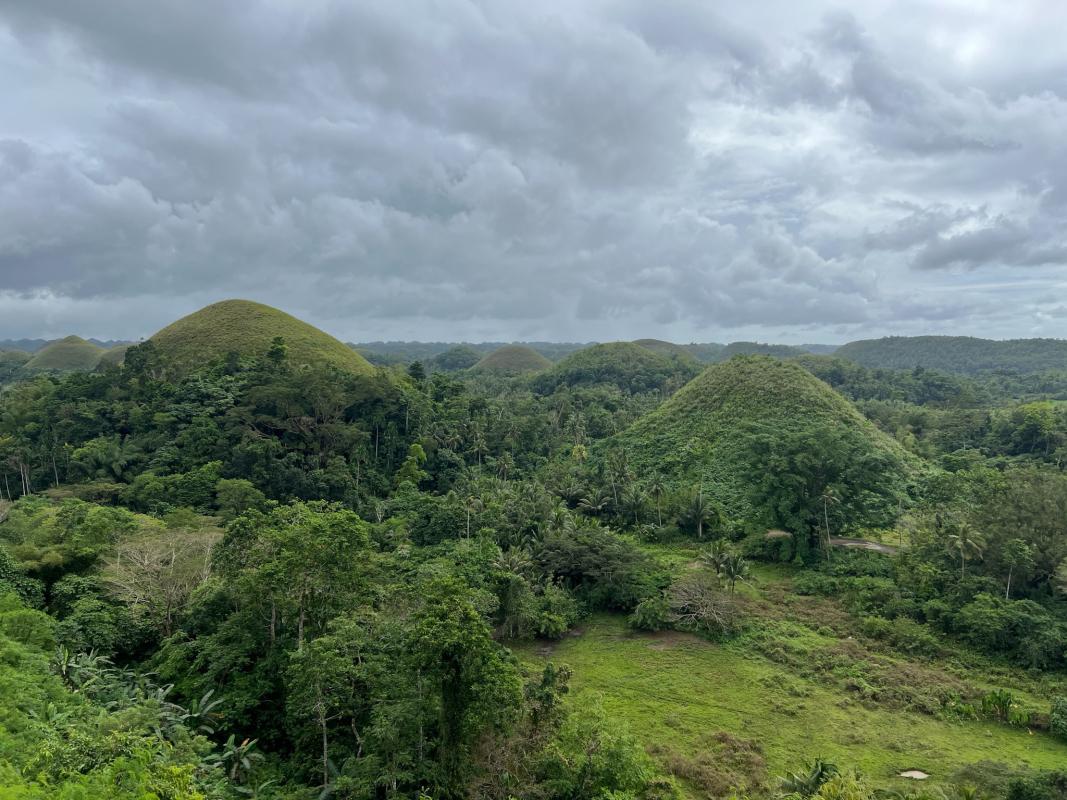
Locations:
(1057, 718)
(651, 614)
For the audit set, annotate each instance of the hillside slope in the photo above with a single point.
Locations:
(960, 354)
(247, 328)
(66, 355)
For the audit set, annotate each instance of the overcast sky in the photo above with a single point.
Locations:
(782, 170)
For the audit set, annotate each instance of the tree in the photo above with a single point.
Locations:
(700, 513)
(157, 574)
(657, 490)
(734, 568)
(965, 541)
(1016, 555)
(788, 472)
(633, 501)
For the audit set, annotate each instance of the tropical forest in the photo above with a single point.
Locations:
(244, 559)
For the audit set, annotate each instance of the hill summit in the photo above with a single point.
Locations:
(248, 328)
(512, 359)
(66, 355)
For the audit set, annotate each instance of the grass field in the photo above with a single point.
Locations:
(715, 714)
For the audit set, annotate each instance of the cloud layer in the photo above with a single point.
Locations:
(503, 170)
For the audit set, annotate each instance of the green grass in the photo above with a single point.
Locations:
(675, 690)
(512, 359)
(66, 355)
(247, 328)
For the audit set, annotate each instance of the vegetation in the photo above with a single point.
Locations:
(229, 568)
(960, 354)
(245, 328)
(628, 366)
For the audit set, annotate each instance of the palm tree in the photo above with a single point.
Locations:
(734, 568)
(473, 505)
(504, 463)
(656, 490)
(966, 541)
(828, 499)
(714, 555)
(633, 501)
(808, 782)
(699, 513)
(594, 503)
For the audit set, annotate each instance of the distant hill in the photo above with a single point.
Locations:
(247, 328)
(114, 356)
(627, 365)
(669, 349)
(454, 360)
(71, 354)
(405, 352)
(11, 363)
(512, 359)
(964, 355)
(700, 436)
(757, 349)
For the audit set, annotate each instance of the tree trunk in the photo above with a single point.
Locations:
(1007, 591)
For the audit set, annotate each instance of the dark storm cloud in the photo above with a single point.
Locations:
(494, 169)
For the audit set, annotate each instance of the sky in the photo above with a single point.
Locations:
(787, 170)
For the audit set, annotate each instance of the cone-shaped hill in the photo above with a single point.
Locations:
(248, 328)
(669, 349)
(66, 355)
(512, 359)
(627, 365)
(113, 357)
(754, 418)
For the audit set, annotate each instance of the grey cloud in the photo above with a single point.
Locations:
(463, 169)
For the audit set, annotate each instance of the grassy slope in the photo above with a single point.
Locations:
(248, 328)
(71, 353)
(694, 437)
(675, 690)
(513, 359)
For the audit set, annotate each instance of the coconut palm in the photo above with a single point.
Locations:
(966, 542)
(633, 501)
(657, 489)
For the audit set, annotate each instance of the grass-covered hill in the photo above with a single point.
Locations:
(11, 363)
(757, 349)
(458, 358)
(960, 354)
(66, 355)
(512, 359)
(248, 328)
(736, 423)
(114, 356)
(630, 366)
(669, 349)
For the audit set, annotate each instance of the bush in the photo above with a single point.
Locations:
(1057, 718)
(651, 614)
